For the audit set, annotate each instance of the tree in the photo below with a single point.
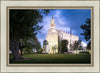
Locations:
(29, 44)
(40, 50)
(81, 47)
(89, 45)
(22, 45)
(76, 45)
(23, 24)
(87, 32)
(59, 44)
(28, 48)
(53, 48)
(64, 44)
(38, 47)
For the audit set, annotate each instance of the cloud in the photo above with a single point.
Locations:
(59, 18)
(61, 22)
(67, 29)
(83, 44)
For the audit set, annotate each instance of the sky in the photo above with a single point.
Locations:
(64, 19)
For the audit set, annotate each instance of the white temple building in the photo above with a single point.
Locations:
(52, 38)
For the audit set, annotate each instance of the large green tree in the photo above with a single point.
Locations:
(23, 24)
(87, 32)
(64, 44)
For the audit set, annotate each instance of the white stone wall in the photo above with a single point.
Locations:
(67, 36)
(52, 39)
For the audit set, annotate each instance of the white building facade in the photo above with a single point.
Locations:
(52, 38)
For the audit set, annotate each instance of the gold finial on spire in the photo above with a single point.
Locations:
(52, 20)
(52, 24)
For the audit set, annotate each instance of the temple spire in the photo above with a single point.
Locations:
(52, 24)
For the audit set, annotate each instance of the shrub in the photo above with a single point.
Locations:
(84, 52)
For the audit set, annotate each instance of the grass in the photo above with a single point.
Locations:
(54, 59)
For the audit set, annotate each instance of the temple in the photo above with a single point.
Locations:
(54, 36)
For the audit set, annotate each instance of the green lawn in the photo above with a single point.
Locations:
(54, 59)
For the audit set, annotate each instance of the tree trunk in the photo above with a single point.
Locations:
(21, 51)
(15, 49)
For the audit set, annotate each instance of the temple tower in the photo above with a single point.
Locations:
(52, 38)
(52, 24)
